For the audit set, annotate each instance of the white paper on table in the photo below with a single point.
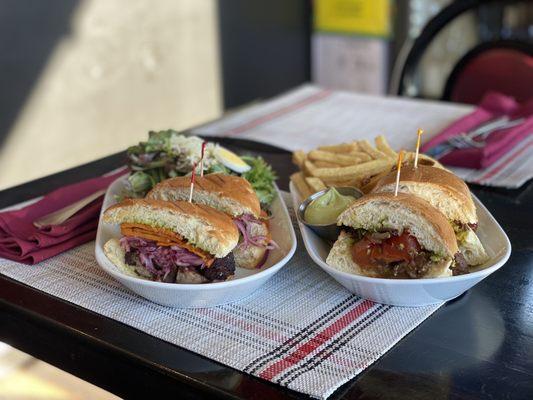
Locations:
(310, 116)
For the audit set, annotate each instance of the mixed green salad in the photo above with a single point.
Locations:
(168, 154)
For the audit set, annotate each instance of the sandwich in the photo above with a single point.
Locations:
(233, 196)
(450, 195)
(387, 236)
(176, 242)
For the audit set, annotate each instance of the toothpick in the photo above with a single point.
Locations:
(419, 133)
(192, 182)
(398, 168)
(202, 159)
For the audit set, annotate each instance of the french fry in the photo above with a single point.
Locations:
(338, 148)
(340, 183)
(315, 184)
(354, 171)
(383, 146)
(325, 164)
(298, 158)
(309, 168)
(302, 187)
(341, 159)
(361, 155)
(356, 146)
(373, 152)
(357, 164)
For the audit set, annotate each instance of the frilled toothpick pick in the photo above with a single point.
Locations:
(202, 159)
(398, 168)
(419, 133)
(192, 182)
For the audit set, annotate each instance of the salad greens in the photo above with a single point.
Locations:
(261, 177)
(168, 154)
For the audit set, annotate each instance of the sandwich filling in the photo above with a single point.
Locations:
(164, 238)
(245, 223)
(462, 230)
(394, 254)
(461, 226)
(162, 255)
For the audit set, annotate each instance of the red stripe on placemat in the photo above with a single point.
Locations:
(316, 341)
(278, 113)
(494, 171)
(244, 324)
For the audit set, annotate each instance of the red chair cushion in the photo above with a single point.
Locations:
(502, 70)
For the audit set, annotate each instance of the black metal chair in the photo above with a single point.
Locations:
(405, 71)
(505, 66)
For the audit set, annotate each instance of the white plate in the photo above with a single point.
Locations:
(244, 283)
(414, 292)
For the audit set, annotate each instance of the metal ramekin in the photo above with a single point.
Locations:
(329, 232)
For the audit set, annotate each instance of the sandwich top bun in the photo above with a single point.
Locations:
(202, 226)
(441, 188)
(381, 211)
(230, 194)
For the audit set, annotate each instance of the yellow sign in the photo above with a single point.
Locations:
(358, 17)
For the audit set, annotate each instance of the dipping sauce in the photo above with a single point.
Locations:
(325, 209)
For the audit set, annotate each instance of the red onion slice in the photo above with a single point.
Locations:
(244, 224)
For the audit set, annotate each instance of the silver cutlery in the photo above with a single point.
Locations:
(61, 215)
(465, 140)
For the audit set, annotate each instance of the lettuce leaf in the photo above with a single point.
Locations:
(261, 177)
(160, 158)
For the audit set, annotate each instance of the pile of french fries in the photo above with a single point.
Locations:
(358, 164)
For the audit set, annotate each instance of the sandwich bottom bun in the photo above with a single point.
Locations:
(114, 251)
(472, 249)
(340, 258)
(249, 257)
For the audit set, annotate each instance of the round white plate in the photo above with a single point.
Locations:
(244, 283)
(414, 292)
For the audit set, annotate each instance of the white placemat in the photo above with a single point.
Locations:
(301, 330)
(309, 116)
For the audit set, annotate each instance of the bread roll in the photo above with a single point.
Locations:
(202, 226)
(230, 194)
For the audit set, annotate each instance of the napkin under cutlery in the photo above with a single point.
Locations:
(496, 144)
(21, 241)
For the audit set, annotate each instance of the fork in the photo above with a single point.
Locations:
(465, 140)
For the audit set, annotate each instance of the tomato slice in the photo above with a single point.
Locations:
(400, 248)
(369, 253)
(362, 253)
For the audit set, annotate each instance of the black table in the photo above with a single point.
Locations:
(477, 346)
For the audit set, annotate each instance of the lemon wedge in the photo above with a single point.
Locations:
(231, 160)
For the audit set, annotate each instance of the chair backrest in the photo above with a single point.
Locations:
(405, 69)
(502, 66)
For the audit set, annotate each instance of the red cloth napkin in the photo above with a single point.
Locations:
(498, 143)
(21, 241)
